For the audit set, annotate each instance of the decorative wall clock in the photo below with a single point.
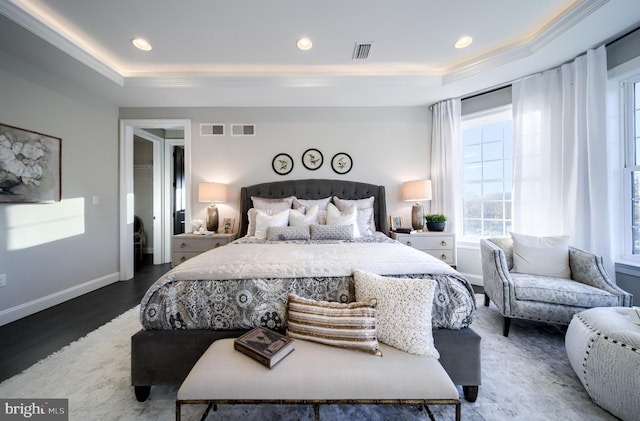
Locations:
(312, 159)
(341, 163)
(282, 164)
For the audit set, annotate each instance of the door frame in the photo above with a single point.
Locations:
(126, 208)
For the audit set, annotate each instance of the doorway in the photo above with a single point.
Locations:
(163, 197)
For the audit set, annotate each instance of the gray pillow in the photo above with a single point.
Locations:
(332, 232)
(300, 232)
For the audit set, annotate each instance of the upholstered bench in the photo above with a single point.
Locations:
(317, 374)
(603, 346)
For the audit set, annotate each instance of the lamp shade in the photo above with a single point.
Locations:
(416, 190)
(212, 192)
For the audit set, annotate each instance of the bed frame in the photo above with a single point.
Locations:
(165, 357)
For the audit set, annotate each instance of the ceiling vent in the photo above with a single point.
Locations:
(243, 130)
(362, 50)
(211, 129)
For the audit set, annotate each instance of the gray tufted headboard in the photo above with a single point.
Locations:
(315, 189)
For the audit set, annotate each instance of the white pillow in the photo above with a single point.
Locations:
(366, 221)
(264, 203)
(298, 218)
(403, 314)
(307, 203)
(264, 221)
(348, 217)
(546, 256)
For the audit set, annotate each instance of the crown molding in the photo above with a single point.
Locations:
(519, 50)
(23, 18)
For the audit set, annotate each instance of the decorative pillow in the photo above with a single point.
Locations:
(351, 325)
(298, 217)
(307, 203)
(288, 233)
(251, 217)
(332, 232)
(366, 221)
(264, 203)
(265, 220)
(348, 217)
(322, 217)
(546, 256)
(403, 313)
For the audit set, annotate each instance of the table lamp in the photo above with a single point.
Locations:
(212, 192)
(417, 190)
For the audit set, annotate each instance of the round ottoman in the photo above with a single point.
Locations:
(603, 345)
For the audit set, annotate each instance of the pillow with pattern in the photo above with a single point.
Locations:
(351, 325)
(300, 232)
(332, 232)
(403, 312)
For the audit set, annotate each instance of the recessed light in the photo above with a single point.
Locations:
(304, 44)
(142, 44)
(463, 42)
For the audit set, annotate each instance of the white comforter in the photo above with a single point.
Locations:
(294, 260)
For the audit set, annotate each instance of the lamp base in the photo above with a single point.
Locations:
(212, 218)
(417, 216)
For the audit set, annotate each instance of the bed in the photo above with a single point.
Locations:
(226, 291)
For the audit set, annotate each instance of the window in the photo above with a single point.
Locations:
(632, 168)
(486, 174)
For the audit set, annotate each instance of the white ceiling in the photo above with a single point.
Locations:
(243, 53)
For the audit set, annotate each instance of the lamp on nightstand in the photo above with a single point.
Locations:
(212, 192)
(416, 191)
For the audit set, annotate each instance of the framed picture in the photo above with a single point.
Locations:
(30, 166)
(228, 225)
(395, 222)
(312, 159)
(282, 164)
(341, 163)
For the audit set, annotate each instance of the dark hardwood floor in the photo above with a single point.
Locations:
(28, 340)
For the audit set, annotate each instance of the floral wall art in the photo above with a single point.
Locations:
(30, 166)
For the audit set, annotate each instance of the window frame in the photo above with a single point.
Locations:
(489, 116)
(629, 164)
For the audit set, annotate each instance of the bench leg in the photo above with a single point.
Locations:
(316, 412)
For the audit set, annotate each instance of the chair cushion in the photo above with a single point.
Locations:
(560, 291)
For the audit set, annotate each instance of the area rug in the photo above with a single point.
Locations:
(526, 376)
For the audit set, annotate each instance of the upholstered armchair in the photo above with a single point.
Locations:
(545, 298)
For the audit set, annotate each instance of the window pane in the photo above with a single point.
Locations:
(492, 150)
(472, 154)
(494, 190)
(472, 208)
(635, 184)
(492, 132)
(471, 136)
(493, 210)
(493, 228)
(472, 227)
(472, 172)
(492, 170)
(636, 240)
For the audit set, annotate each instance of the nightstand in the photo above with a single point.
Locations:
(441, 245)
(186, 246)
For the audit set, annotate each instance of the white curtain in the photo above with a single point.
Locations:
(560, 154)
(445, 141)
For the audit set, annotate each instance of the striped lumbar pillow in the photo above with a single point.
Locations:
(351, 325)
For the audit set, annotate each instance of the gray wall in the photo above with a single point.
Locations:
(388, 145)
(53, 252)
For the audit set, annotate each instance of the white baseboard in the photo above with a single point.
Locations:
(23, 310)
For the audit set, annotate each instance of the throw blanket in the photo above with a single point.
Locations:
(245, 284)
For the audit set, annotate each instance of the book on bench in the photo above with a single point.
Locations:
(264, 345)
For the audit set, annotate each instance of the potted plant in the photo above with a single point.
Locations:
(436, 222)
